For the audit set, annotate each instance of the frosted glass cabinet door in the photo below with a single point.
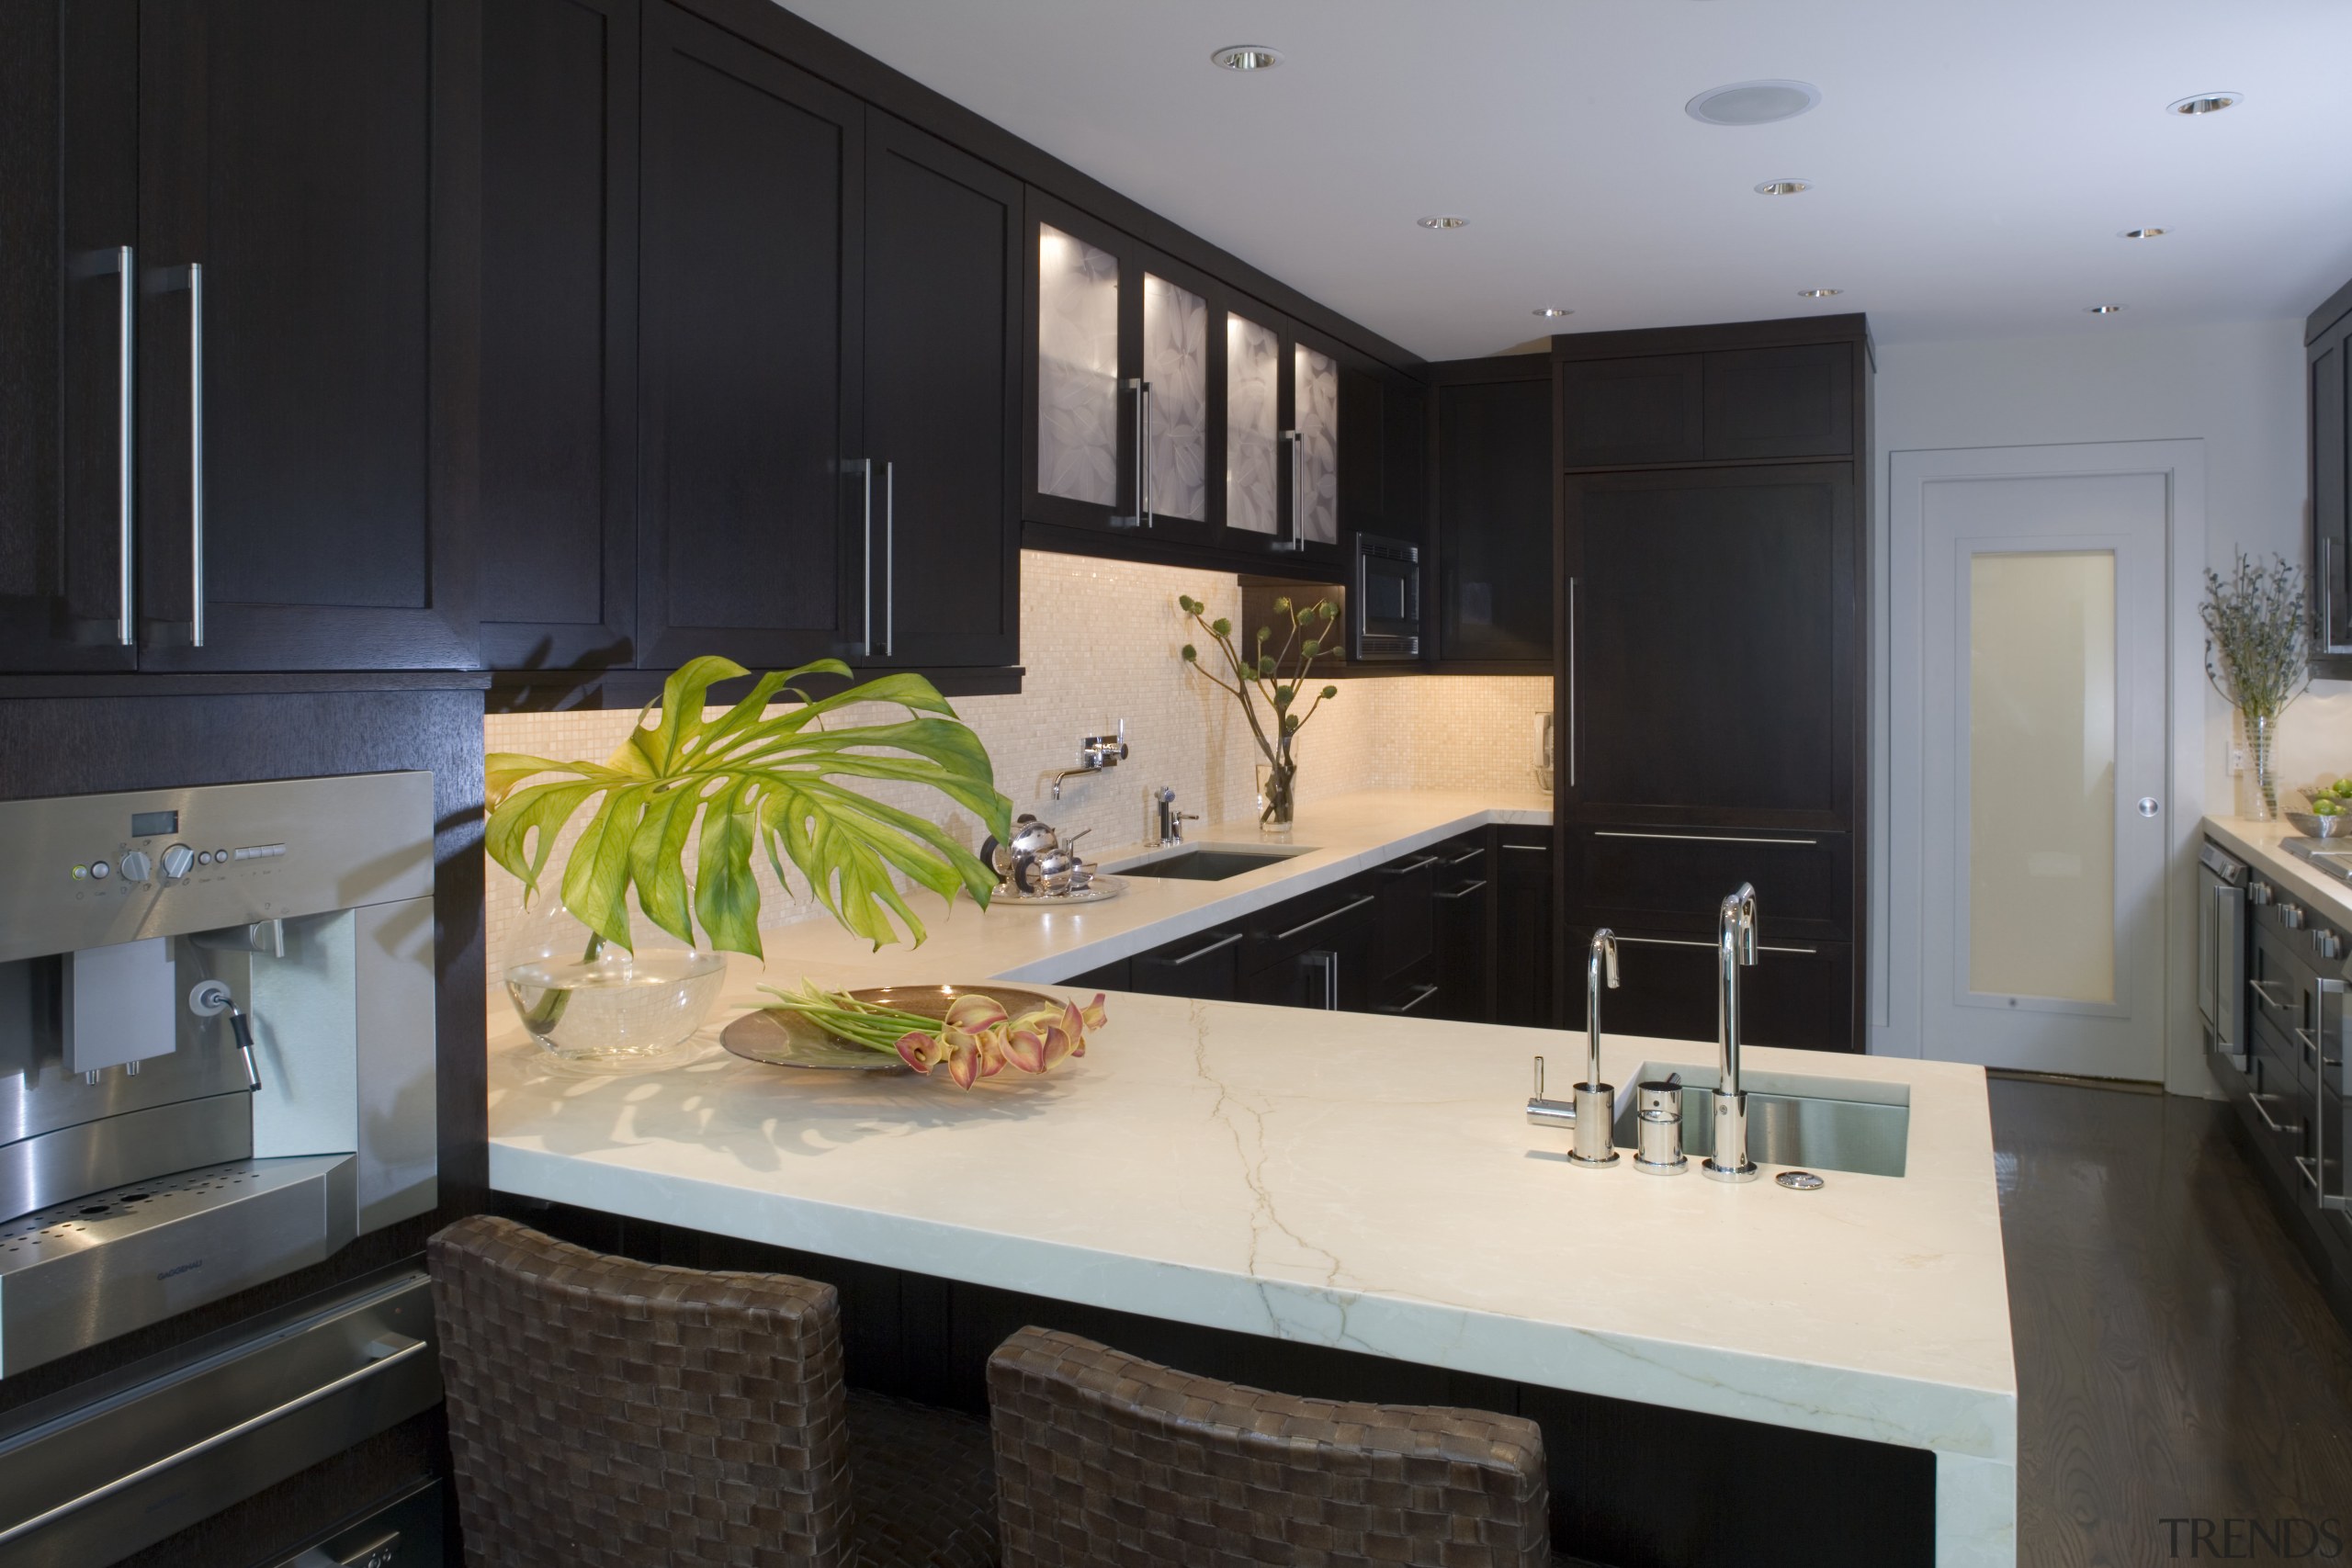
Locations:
(1078, 370)
(1253, 429)
(1315, 382)
(1175, 365)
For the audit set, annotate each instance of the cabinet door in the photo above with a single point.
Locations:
(1781, 402)
(1640, 876)
(1495, 481)
(757, 538)
(69, 158)
(558, 421)
(307, 415)
(1525, 960)
(2331, 515)
(1082, 415)
(1621, 412)
(943, 384)
(1330, 976)
(1799, 995)
(1464, 975)
(1405, 928)
(1713, 619)
(1206, 966)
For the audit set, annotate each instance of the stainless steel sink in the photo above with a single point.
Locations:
(1820, 1123)
(1210, 863)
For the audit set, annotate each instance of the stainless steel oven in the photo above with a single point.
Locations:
(1385, 601)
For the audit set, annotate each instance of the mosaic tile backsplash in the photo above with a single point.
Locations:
(1099, 640)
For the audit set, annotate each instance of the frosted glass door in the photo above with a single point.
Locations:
(1316, 385)
(1253, 364)
(1078, 370)
(2041, 815)
(1176, 369)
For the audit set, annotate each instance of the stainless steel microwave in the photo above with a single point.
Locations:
(1385, 601)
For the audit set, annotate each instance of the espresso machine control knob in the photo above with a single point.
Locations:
(135, 865)
(178, 861)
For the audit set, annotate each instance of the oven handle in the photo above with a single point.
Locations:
(396, 1348)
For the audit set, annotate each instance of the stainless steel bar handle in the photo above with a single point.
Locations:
(196, 453)
(1464, 891)
(1140, 457)
(1422, 864)
(1704, 838)
(1144, 484)
(1328, 962)
(2261, 1110)
(2317, 1168)
(1693, 941)
(866, 530)
(405, 1349)
(1297, 537)
(1218, 946)
(889, 561)
(126, 335)
(1467, 857)
(1319, 920)
(1421, 993)
(1572, 683)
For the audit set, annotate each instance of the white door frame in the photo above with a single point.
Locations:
(1895, 918)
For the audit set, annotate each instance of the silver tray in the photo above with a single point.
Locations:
(784, 1039)
(1101, 887)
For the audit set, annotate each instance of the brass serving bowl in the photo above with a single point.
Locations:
(786, 1039)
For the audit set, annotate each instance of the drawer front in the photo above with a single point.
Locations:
(1406, 911)
(1674, 879)
(1312, 920)
(1206, 966)
(1797, 995)
(2281, 1107)
(2280, 984)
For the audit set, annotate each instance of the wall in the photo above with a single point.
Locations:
(1101, 639)
(2236, 386)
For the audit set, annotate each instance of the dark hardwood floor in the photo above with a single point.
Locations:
(2176, 1358)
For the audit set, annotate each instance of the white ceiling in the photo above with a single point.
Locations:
(1975, 159)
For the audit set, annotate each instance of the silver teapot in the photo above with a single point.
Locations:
(1035, 862)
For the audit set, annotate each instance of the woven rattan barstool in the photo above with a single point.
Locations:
(608, 1414)
(1103, 1460)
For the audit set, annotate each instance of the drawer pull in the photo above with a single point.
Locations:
(1219, 945)
(1530, 848)
(1344, 908)
(1693, 941)
(1464, 891)
(1421, 994)
(2264, 1111)
(1467, 856)
(1706, 838)
(2261, 988)
(2310, 1168)
(1421, 865)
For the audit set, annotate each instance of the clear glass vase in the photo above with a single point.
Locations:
(596, 1006)
(2261, 733)
(1278, 791)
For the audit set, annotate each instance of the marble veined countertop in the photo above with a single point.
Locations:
(1353, 1180)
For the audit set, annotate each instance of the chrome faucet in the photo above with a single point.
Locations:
(1590, 1116)
(1734, 950)
(1163, 824)
(1095, 752)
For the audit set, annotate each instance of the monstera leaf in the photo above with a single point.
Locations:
(753, 778)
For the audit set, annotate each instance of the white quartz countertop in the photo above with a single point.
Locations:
(2260, 844)
(1353, 1180)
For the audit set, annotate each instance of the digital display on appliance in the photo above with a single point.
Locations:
(153, 824)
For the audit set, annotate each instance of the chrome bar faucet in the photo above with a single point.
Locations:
(1734, 950)
(1596, 1101)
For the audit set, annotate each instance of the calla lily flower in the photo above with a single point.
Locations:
(975, 1014)
(964, 1061)
(1025, 1049)
(1074, 1025)
(917, 1050)
(1058, 1045)
(1095, 1013)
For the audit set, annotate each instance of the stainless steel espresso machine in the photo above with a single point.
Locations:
(216, 1067)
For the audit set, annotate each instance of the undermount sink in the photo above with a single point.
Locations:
(1793, 1119)
(1210, 863)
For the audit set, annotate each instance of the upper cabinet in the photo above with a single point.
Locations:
(1173, 416)
(2328, 353)
(1495, 482)
(1624, 410)
(243, 314)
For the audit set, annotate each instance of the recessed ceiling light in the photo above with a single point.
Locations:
(1819, 293)
(2142, 233)
(1783, 187)
(2102, 309)
(1753, 103)
(1443, 221)
(2205, 103)
(1554, 310)
(1247, 57)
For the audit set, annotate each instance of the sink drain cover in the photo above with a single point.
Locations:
(1801, 1181)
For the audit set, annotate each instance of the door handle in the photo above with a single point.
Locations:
(889, 561)
(1704, 838)
(1219, 945)
(1572, 684)
(196, 453)
(126, 366)
(1141, 516)
(866, 529)
(1328, 962)
(1422, 864)
(1297, 539)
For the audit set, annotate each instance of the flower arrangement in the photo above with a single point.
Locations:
(1255, 678)
(2256, 653)
(976, 1040)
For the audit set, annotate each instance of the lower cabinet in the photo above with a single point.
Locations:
(1206, 966)
(1318, 950)
(1525, 958)
(1463, 906)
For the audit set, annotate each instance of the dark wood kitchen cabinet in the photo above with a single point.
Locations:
(1710, 684)
(1206, 966)
(1317, 949)
(1795, 995)
(1527, 963)
(2327, 348)
(1463, 905)
(296, 190)
(1495, 482)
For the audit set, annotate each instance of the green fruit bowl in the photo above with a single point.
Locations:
(2316, 827)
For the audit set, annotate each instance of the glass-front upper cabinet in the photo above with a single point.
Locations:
(1172, 408)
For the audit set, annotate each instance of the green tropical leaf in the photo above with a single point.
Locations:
(746, 777)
